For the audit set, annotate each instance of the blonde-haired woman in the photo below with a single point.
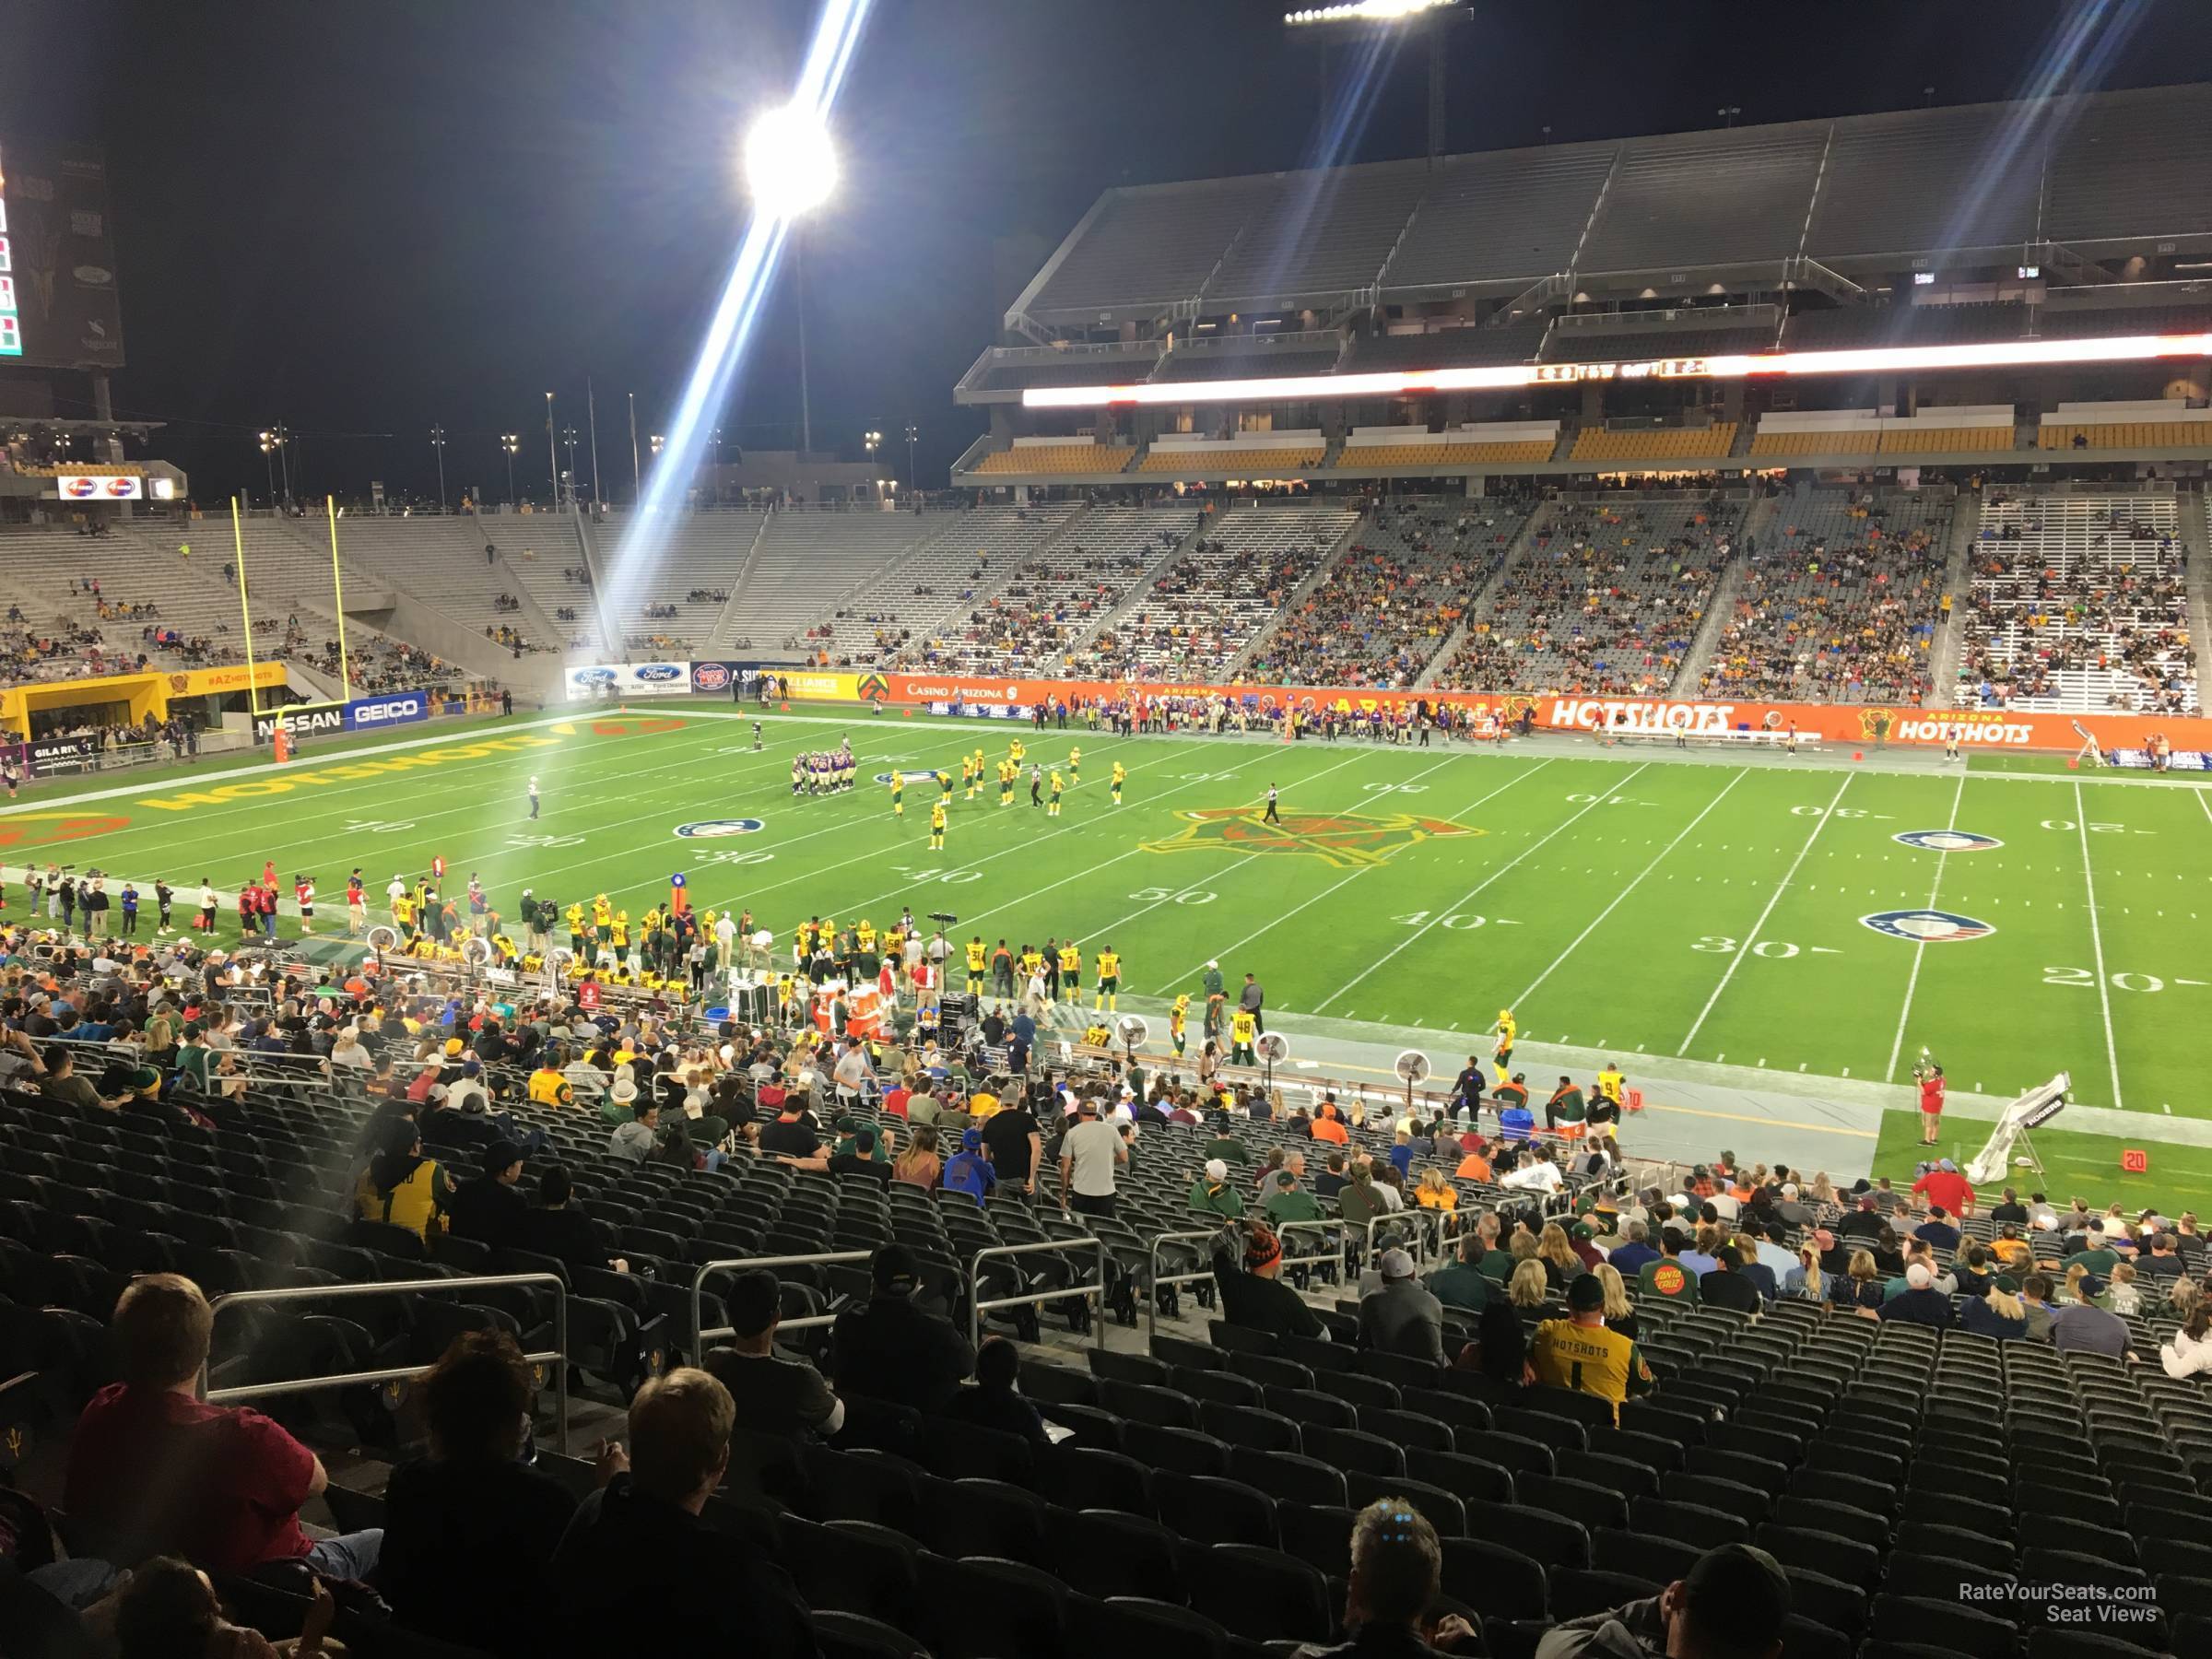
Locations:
(1528, 1289)
(1860, 1286)
(1436, 1191)
(1561, 1265)
(1621, 1313)
(919, 1165)
(1805, 1280)
(2075, 1275)
(1997, 1313)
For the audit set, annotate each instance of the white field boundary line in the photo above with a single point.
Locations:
(199, 816)
(1344, 881)
(1093, 869)
(1773, 899)
(1920, 946)
(2104, 989)
(371, 752)
(1243, 860)
(1568, 823)
(1636, 881)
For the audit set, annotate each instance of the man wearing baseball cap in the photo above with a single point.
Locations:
(1579, 1353)
(1090, 1152)
(1211, 1193)
(1252, 1293)
(1733, 1604)
(1402, 1317)
(890, 1347)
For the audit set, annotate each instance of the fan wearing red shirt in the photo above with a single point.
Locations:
(154, 1471)
(1944, 1188)
(1931, 1105)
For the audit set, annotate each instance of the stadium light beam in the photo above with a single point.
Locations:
(799, 169)
(1364, 11)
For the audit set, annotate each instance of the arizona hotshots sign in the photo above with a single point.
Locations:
(1877, 725)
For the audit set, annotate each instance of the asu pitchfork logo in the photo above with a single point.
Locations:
(1349, 840)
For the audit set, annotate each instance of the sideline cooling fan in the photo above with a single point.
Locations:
(1413, 1068)
(1271, 1047)
(1132, 1030)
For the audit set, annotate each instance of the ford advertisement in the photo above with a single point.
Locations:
(618, 680)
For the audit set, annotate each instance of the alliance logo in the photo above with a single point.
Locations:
(1947, 840)
(710, 677)
(710, 829)
(912, 777)
(874, 687)
(1927, 927)
(1348, 840)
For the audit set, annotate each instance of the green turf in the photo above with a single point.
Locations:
(2054, 766)
(2180, 1177)
(1614, 899)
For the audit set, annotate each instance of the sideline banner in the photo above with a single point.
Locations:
(628, 680)
(302, 720)
(393, 707)
(1645, 716)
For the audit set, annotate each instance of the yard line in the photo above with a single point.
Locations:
(1632, 886)
(1772, 899)
(1599, 800)
(2104, 989)
(1324, 892)
(1133, 851)
(1920, 946)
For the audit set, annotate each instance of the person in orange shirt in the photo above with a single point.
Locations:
(1328, 1124)
(1475, 1165)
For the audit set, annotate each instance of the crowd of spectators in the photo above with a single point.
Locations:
(1841, 608)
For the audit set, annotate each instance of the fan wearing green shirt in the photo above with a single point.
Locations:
(1565, 1106)
(1212, 1195)
(1462, 1283)
(1290, 1202)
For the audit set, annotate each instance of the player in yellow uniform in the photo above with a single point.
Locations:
(576, 940)
(975, 961)
(1075, 765)
(1059, 787)
(402, 914)
(968, 776)
(1007, 772)
(1505, 1028)
(1243, 1029)
(619, 936)
(937, 825)
(945, 787)
(1071, 974)
(898, 795)
(1015, 751)
(603, 919)
(1032, 962)
(1121, 775)
(1178, 1019)
(1110, 980)
(864, 935)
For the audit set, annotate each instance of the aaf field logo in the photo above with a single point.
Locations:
(1927, 927)
(1349, 840)
(709, 828)
(912, 777)
(1949, 841)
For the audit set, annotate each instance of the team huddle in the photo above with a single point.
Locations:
(822, 772)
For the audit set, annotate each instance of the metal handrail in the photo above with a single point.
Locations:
(977, 1307)
(557, 1357)
(731, 1264)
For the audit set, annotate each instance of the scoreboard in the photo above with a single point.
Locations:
(59, 308)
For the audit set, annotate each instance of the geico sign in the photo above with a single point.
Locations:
(397, 708)
(1965, 731)
(1604, 715)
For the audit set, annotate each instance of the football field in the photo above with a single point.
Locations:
(1807, 916)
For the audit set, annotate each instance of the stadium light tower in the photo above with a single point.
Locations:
(912, 433)
(1432, 19)
(510, 442)
(269, 458)
(438, 443)
(791, 167)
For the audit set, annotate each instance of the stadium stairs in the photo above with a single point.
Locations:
(1134, 600)
(1759, 523)
(1480, 605)
(1292, 600)
(727, 620)
(2195, 537)
(1957, 580)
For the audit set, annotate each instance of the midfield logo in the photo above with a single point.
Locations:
(1349, 840)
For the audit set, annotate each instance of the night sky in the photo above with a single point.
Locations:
(368, 218)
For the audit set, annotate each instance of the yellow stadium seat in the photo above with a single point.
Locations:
(1243, 461)
(1058, 458)
(1835, 440)
(2127, 434)
(1446, 455)
(1658, 443)
(1901, 441)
